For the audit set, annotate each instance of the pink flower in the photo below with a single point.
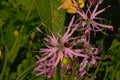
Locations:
(89, 62)
(89, 18)
(56, 49)
(44, 68)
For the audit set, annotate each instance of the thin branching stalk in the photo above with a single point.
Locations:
(25, 72)
(6, 58)
(93, 77)
(17, 39)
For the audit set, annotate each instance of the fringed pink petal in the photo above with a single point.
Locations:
(104, 26)
(92, 16)
(59, 58)
(68, 54)
(76, 54)
(53, 51)
(67, 35)
(82, 14)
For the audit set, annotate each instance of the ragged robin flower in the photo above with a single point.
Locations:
(56, 50)
(90, 19)
(89, 62)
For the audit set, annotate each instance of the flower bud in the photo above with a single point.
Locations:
(16, 33)
(65, 61)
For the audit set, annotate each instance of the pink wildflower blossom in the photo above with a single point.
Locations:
(57, 48)
(64, 46)
(44, 68)
(89, 18)
(89, 62)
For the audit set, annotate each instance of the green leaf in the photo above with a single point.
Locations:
(115, 43)
(12, 76)
(19, 42)
(26, 3)
(25, 68)
(19, 69)
(49, 15)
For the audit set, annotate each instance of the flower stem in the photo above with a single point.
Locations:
(114, 73)
(13, 47)
(4, 66)
(58, 73)
(6, 56)
(25, 72)
(93, 77)
(73, 69)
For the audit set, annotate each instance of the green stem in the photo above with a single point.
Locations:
(92, 78)
(61, 75)
(25, 72)
(26, 18)
(58, 73)
(4, 42)
(73, 69)
(21, 30)
(114, 73)
(106, 72)
(7, 51)
(3, 70)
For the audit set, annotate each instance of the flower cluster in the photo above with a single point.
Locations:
(57, 49)
(67, 49)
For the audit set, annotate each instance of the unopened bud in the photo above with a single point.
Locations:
(65, 61)
(16, 33)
